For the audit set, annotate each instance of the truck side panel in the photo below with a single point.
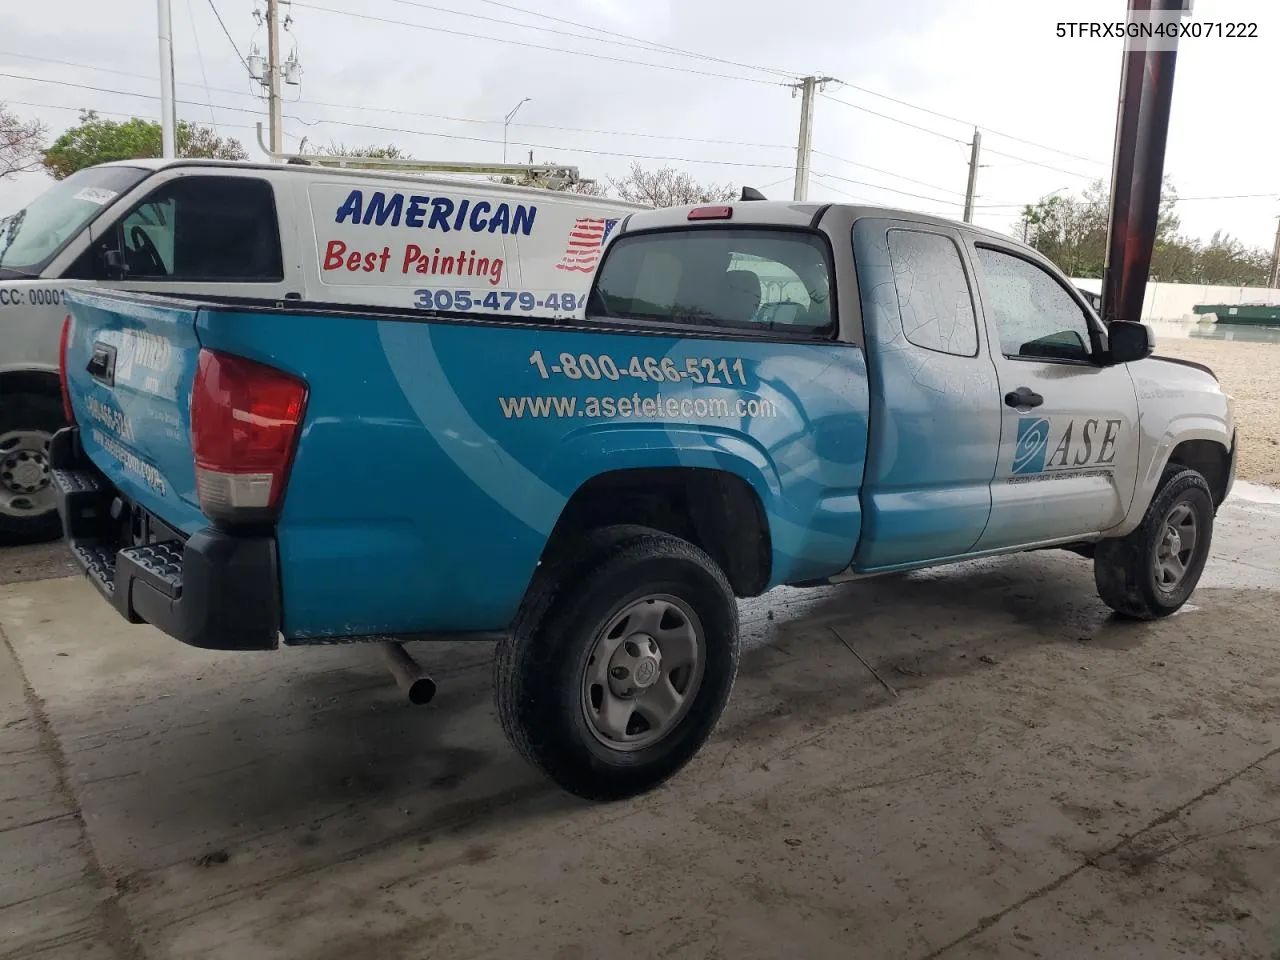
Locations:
(427, 443)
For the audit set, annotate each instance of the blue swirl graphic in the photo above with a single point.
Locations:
(1033, 440)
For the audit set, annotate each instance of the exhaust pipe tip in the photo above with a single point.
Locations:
(421, 691)
(408, 673)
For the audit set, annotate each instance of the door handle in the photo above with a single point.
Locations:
(1023, 397)
(102, 365)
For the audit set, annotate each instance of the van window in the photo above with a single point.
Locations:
(933, 293)
(746, 278)
(203, 230)
(33, 236)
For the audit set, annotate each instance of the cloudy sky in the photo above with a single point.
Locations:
(436, 77)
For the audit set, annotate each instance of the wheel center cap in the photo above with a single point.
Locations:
(646, 672)
(24, 475)
(1173, 543)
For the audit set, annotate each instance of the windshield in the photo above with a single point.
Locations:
(30, 238)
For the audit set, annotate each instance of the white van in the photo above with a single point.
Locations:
(271, 232)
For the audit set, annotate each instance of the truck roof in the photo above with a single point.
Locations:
(792, 213)
(299, 169)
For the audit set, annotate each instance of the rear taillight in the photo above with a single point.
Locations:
(244, 429)
(63, 343)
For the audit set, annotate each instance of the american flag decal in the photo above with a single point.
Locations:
(586, 238)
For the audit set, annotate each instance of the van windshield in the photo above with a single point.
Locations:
(30, 238)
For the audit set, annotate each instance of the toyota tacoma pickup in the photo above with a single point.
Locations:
(757, 393)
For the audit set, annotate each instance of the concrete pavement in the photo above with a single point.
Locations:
(1048, 782)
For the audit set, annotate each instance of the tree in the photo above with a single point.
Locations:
(94, 140)
(336, 149)
(1072, 232)
(21, 143)
(668, 187)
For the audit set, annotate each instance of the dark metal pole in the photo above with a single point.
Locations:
(1142, 129)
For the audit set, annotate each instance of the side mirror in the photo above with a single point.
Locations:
(1130, 341)
(114, 265)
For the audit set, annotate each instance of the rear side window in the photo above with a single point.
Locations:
(748, 279)
(933, 293)
(204, 230)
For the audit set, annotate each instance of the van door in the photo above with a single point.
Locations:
(1069, 437)
(206, 234)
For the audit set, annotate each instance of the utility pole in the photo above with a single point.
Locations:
(273, 76)
(1273, 276)
(168, 119)
(808, 87)
(973, 175)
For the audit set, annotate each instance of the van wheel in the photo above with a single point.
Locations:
(1150, 573)
(28, 512)
(620, 666)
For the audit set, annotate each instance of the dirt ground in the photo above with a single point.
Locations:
(1250, 372)
(1042, 781)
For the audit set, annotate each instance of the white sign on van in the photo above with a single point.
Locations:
(485, 250)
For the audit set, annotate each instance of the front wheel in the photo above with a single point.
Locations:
(614, 682)
(1150, 573)
(28, 512)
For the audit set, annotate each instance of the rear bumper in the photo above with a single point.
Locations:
(214, 590)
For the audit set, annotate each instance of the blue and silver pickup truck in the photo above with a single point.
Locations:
(757, 394)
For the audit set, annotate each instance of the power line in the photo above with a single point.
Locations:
(890, 173)
(1047, 166)
(789, 74)
(123, 73)
(638, 43)
(191, 19)
(533, 46)
(968, 123)
(230, 39)
(416, 113)
(877, 186)
(118, 113)
(873, 203)
(905, 123)
(420, 133)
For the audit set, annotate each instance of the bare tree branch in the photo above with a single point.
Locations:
(21, 144)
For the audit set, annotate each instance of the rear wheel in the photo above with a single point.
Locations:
(1150, 573)
(28, 512)
(621, 668)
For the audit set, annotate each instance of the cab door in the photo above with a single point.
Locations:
(1068, 457)
(934, 423)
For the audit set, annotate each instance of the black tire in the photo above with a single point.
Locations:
(1124, 569)
(539, 671)
(28, 412)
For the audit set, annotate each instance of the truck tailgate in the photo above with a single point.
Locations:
(131, 360)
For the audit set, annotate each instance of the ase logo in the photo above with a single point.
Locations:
(1044, 446)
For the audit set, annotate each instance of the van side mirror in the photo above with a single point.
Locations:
(114, 266)
(1130, 341)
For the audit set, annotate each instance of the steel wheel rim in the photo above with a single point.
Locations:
(25, 490)
(642, 672)
(1176, 548)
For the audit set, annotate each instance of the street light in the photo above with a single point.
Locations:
(507, 122)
